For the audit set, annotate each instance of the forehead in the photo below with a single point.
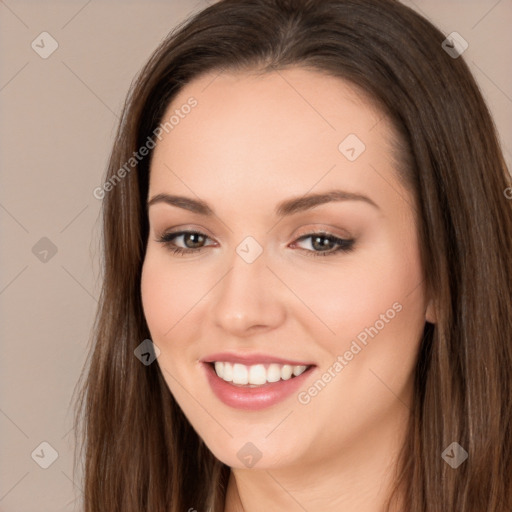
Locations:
(269, 131)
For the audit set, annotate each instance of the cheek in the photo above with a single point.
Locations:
(375, 306)
(165, 303)
(174, 307)
(168, 293)
(155, 297)
(371, 293)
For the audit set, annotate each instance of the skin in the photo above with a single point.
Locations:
(250, 143)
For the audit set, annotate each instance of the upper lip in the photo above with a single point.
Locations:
(251, 359)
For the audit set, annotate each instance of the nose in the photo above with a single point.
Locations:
(248, 299)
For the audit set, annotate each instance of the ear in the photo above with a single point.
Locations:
(430, 314)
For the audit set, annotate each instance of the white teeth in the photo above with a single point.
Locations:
(227, 372)
(219, 368)
(297, 370)
(257, 374)
(286, 372)
(240, 374)
(274, 372)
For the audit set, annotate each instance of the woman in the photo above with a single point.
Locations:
(231, 371)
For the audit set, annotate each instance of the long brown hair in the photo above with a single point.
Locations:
(141, 454)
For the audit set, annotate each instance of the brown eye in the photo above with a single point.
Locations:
(192, 241)
(325, 244)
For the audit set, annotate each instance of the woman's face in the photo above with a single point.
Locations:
(304, 253)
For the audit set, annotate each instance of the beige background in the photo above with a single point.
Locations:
(58, 120)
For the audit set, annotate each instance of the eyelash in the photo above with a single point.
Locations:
(344, 245)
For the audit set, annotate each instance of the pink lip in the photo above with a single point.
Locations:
(253, 398)
(250, 359)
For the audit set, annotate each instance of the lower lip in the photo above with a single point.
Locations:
(256, 398)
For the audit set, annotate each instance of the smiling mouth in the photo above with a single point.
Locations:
(256, 381)
(256, 375)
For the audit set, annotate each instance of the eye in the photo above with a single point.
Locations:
(193, 241)
(320, 244)
(325, 244)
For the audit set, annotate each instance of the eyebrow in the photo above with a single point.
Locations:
(285, 208)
